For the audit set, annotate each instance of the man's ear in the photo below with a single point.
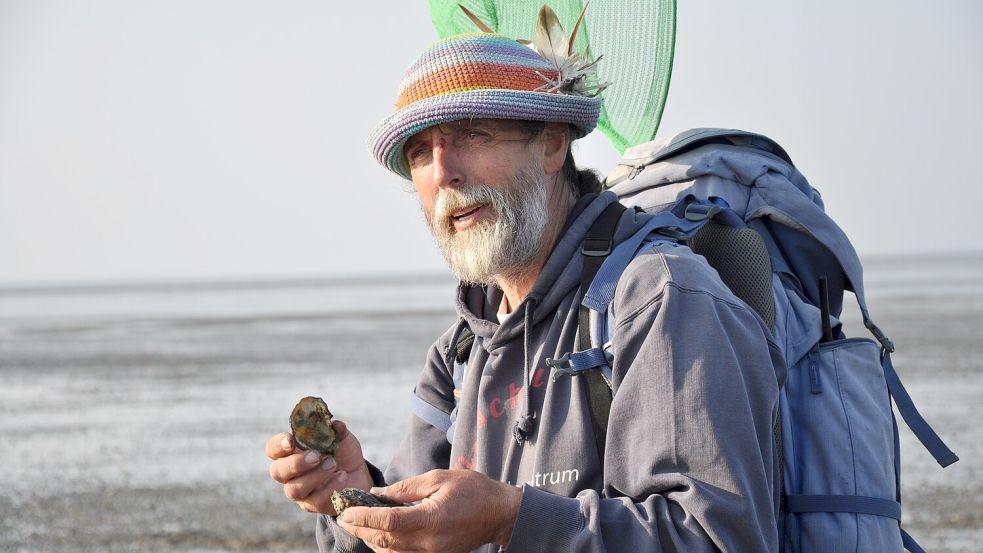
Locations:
(556, 142)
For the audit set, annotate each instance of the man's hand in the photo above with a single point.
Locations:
(309, 477)
(460, 510)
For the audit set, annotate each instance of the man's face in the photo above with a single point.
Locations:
(483, 190)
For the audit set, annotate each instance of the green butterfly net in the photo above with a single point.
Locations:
(636, 39)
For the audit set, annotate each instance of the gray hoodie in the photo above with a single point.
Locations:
(689, 463)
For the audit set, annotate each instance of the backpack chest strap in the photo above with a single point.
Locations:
(580, 361)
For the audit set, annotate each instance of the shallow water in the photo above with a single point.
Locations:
(135, 421)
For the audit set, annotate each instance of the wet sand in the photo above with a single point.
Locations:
(147, 435)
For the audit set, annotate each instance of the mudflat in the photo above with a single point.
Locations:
(146, 434)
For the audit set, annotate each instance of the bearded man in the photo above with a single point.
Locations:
(501, 453)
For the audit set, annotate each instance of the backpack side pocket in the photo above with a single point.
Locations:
(841, 451)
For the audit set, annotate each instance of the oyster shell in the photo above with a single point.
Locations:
(310, 423)
(354, 497)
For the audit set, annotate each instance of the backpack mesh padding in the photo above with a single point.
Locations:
(741, 259)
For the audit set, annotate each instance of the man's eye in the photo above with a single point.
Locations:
(474, 136)
(417, 153)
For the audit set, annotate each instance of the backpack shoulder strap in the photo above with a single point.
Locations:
(596, 247)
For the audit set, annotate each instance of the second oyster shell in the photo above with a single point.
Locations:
(354, 497)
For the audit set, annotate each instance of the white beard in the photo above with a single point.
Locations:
(507, 246)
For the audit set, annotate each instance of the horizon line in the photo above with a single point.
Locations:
(254, 281)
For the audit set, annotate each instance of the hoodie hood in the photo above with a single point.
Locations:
(560, 275)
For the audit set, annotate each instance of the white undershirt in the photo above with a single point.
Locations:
(503, 313)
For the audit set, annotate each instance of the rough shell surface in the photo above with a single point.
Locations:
(310, 423)
(354, 497)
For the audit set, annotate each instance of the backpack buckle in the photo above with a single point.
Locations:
(698, 212)
(672, 232)
(561, 366)
(596, 247)
(560, 363)
(886, 342)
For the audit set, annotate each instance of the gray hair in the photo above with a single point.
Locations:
(581, 181)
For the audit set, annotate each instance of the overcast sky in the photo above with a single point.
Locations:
(202, 139)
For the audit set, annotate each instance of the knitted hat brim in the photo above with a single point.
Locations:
(387, 139)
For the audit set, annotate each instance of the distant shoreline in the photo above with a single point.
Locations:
(216, 283)
(228, 282)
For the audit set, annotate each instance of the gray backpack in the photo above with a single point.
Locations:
(836, 433)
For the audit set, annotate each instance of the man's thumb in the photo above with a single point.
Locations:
(411, 489)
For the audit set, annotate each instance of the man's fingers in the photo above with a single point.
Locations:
(319, 501)
(378, 540)
(302, 486)
(279, 446)
(381, 528)
(399, 520)
(340, 429)
(287, 468)
(386, 519)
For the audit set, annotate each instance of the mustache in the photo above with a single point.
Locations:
(453, 200)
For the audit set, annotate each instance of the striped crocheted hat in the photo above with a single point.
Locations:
(476, 75)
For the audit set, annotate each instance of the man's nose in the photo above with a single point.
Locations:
(447, 168)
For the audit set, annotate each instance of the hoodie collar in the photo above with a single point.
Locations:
(476, 304)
